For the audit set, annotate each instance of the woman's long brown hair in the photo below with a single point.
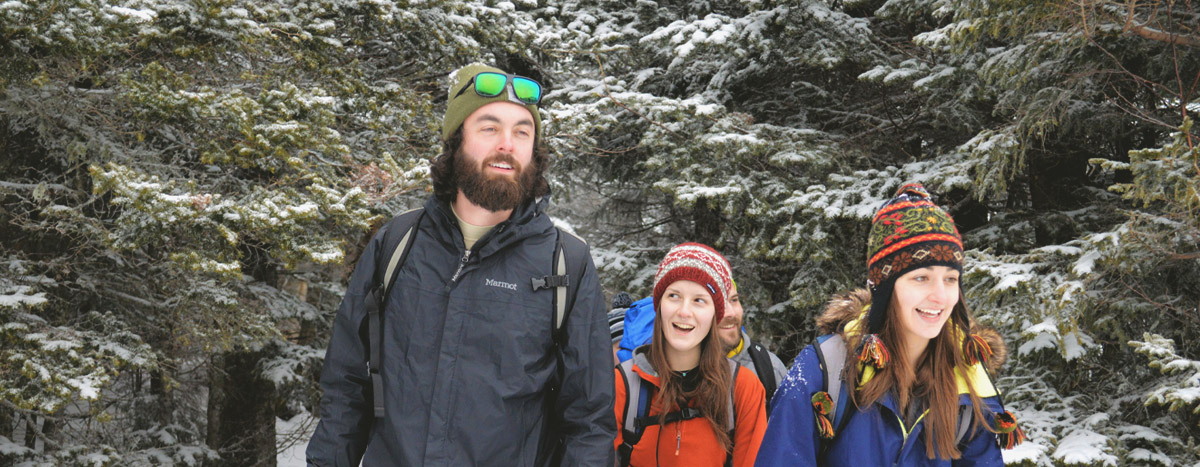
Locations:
(711, 396)
(932, 382)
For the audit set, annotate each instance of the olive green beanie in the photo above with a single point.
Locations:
(459, 108)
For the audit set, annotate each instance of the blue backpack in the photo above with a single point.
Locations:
(639, 327)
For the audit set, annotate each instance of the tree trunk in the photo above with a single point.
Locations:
(245, 427)
(706, 223)
(31, 432)
(308, 333)
(165, 406)
(48, 431)
(216, 400)
(6, 422)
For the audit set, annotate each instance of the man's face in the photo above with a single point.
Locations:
(492, 167)
(730, 328)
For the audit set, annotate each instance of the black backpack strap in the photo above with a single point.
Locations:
(568, 250)
(397, 239)
(569, 259)
(765, 369)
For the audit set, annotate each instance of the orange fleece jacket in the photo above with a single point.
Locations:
(692, 443)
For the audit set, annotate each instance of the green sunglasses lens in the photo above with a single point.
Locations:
(527, 90)
(490, 84)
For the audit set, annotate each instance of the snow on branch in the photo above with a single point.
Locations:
(1182, 389)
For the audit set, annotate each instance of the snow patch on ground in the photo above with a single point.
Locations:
(9, 448)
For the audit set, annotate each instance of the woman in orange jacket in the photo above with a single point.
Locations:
(680, 401)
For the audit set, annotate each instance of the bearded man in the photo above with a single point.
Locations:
(753, 355)
(470, 373)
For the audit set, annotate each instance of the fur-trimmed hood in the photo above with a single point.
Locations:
(843, 308)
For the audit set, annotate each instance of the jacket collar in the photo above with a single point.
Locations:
(527, 220)
(641, 364)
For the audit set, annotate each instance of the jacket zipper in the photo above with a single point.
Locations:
(906, 432)
(678, 436)
(461, 265)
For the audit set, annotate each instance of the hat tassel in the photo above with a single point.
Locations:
(976, 350)
(1008, 434)
(823, 407)
(873, 352)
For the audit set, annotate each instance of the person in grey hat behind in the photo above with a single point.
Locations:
(467, 366)
(616, 322)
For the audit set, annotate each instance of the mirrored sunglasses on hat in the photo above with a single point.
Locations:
(523, 90)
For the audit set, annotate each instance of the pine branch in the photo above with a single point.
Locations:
(1162, 36)
(1147, 32)
(34, 186)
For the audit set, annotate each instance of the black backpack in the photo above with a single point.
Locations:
(637, 398)
(765, 369)
(398, 240)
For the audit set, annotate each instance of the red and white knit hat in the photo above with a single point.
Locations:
(700, 264)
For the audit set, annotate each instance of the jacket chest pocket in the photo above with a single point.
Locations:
(512, 330)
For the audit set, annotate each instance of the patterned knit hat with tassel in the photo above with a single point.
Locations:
(700, 264)
(907, 233)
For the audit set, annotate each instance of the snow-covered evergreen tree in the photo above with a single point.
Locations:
(1053, 132)
(184, 185)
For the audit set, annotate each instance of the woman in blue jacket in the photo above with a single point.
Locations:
(900, 377)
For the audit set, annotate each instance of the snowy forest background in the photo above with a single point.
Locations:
(185, 184)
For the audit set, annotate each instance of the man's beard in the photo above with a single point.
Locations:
(721, 332)
(495, 193)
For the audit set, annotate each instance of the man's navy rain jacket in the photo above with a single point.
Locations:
(466, 363)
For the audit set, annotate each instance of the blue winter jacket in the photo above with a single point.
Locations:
(875, 437)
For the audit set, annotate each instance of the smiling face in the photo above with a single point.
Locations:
(686, 312)
(493, 164)
(922, 302)
(730, 328)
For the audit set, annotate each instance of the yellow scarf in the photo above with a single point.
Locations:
(738, 350)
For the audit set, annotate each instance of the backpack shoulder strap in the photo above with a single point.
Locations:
(831, 353)
(637, 402)
(569, 257)
(765, 369)
(398, 240)
(733, 369)
(568, 250)
(966, 416)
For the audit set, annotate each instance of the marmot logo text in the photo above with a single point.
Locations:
(504, 285)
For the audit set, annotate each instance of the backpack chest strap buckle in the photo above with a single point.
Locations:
(547, 282)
